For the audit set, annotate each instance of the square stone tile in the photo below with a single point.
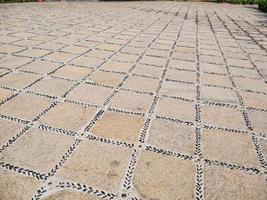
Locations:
(183, 90)
(212, 68)
(101, 54)
(60, 57)
(236, 184)
(132, 101)
(182, 64)
(17, 186)
(52, 86)
(119, 126)
(125, 57)
(153, 180)
(70, 195)
(250, 73)
(254, 100)
(72, 72)
(8, 130)
(258, 119)
(141, 84)
(223, 117)
(175, 108)
(107, 78)
(172, 136)
(9, 49)
(217, 94)
(4, 93)
(74, 49)
(92, 164)
(178, 75)
(51, 46)
(25, 106)
(239, 62)
(158, 53)
(184, 56)
(87, 61)
(109, 47)
(18, 80)
(214, 79)
(75, 116)
(157, 61)
(42, 67)
(234, 148)
(13, 62)
(250, 84)
(37, 150)
(147, 70)
(91, 94)
(34, 53)
(116, 66)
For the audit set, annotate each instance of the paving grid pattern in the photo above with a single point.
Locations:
(133, 100)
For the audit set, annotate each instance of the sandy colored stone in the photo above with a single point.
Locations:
(177, 75)
(258, 120)
(184, 56)
(72, 72)
(235, 184)
(263, 144)
(8, 130)
(157, 61)
(8, 49)
(223, 117)
(25, 106)
(60, 57)
(250, 73)
(91, 94)
(254, 100)
(175, 108)
(147, 70)
(37, 150)
(161, 177)
(182, 64)
(125, 57)
(68, 116)
(16, 186)
(74, 49)
(87, 61)
(100, 54)
(109, 47)
(13, 62)
(18, 80)
(235, 148)
(250, 84)
(141, 84)
(92, 164)
(157, 52)
(4, 93)
(39, 66)
(51, 45)
(117, 66)
(52, 86)
(132, 101)
(214, 79)
(239, 62)
(119, 126)
(107, 78)
(183, 90)
(172, 136)
(70, 195)
(212, 68)
(218, 95)
(34, 53)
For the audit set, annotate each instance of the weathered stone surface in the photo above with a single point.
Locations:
(93, 164)
(70, 195)
(159, 177)
(8, 130)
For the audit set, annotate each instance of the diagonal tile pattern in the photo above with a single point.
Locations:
(132, 100)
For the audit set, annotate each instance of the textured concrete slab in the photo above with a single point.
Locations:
(132, 100)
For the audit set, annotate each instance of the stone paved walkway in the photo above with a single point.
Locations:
(137, 100)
